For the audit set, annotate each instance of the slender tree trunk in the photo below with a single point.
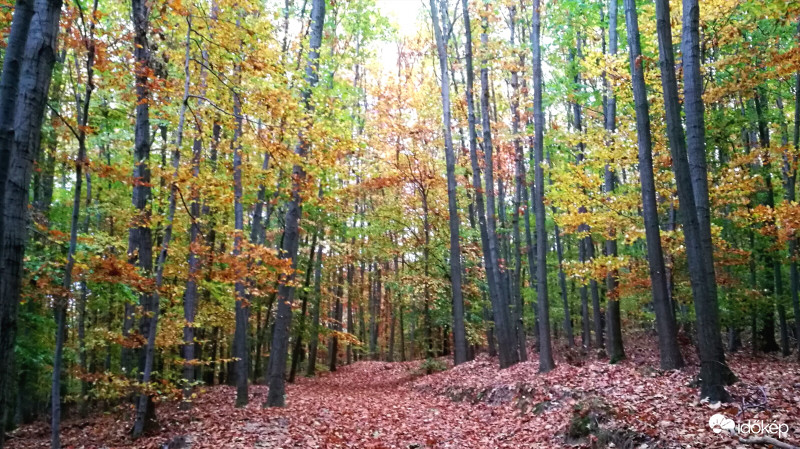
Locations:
(669, 351)
(794, 275)
(280, 339)
(459, 331)
(545, 348)
(506, 343)
(298, 344)
(313, 344)
(789, 180)
(562, 284)
(336, 325)
(62, 303)
(519, 194)
(489, 262)
(190, 294)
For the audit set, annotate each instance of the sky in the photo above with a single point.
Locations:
(403, 14)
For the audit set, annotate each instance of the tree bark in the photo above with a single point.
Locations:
(712, 358)
(506, 343)
(27, 69)
(280, 339)
(545, 348)
(313, 344)
(669, 351)
(459, 331)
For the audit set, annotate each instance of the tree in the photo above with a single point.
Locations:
(280, 336)
(459, 333)
(27, 71)
(545, 348)
(704, 293)
(669, 351)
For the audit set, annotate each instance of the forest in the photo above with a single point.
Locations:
(399, 224)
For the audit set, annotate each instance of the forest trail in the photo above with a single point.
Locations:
(393, 405)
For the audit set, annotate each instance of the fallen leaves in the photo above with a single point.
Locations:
(376, 405)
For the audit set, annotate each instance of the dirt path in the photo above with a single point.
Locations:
(365, 405)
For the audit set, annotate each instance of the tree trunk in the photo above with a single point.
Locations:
(190, 294)
(520, 193)
(27, 69)
(298, 344)
(506, 343)
(712, 358)
(459, 331)
(669, 351)
(313, 344)
(545, 348)
(795, 276)
(280, 339)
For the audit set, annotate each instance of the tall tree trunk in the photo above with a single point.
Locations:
(459, 331)
(712, 358)
(140, 239)
(795, 276)
(506, 343)
(768, 331)
(789, 178)
(193, 259)
(584, 243)
(149, 321)
(280, 339)
(489, 262)
(62, 303)
(27, 69)
(241, 353)
(520, 193)
(669, 351)
(545, 348)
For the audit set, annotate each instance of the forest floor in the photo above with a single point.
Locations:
(584, 402)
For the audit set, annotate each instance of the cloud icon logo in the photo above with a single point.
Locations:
(720, 422)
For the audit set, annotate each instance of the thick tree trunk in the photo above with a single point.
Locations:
(280, 339)
(140, 239)
(712, 358)
(669, 351)
(27, 69)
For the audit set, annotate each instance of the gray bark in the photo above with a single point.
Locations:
(669, 351)
(545, 347)
(280, 339)
(506, 343)
(27, 69)
(459, 331)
